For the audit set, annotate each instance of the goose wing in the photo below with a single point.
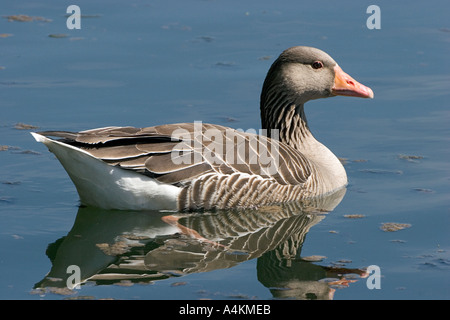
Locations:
(216, 166)
(179, 153)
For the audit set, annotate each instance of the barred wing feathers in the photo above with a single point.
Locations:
(215, 166)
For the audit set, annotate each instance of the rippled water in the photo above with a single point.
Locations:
(144, 63)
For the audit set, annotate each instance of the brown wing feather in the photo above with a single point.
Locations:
(179, 153)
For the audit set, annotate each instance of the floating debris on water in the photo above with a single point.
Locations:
(263, 58)
(393, 226)
(344, 261)
(240, 296)
(6, 199)
(314, 258)
(423, 190)
(62, 291)
(345, 161)
(436, 263)
(381, 171)
(410, 158)
(176, 26)
(354, 216)
(227, 119)
(231, 119)
(23, 126)
(5, 35)
(225, 64)
(398, 241)
(177, 284)
(20, 18)
(58, 35)
(124, 283)
(11, 183)
(206, 38)
(80, 298)
(28, 152)
(26, 18)
(6, 148)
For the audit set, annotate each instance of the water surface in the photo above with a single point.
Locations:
(144, 63)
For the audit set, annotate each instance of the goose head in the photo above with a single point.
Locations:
(298, 75)
(302, 73)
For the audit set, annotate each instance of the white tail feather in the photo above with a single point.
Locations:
(102, 185)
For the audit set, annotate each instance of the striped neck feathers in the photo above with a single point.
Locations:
(287, 118)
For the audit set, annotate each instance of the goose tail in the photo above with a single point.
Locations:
(102, 185)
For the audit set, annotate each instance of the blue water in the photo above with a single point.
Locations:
(144, 63)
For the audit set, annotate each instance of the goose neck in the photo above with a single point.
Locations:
(288, 121)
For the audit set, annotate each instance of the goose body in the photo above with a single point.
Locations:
(191, 166)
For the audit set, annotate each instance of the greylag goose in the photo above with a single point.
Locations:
(195, 166)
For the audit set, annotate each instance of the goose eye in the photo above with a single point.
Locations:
(317, 64)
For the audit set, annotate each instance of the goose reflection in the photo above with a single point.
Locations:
(112, 246)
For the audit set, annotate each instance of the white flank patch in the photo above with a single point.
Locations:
(101, 185)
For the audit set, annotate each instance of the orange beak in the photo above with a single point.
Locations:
(344, 85)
